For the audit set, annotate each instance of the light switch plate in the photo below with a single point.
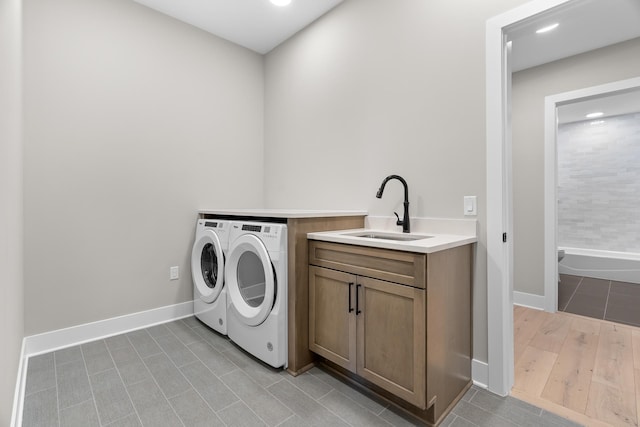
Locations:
(174, 273)
(470, 206)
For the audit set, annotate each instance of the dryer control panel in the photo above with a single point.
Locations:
(214, 224)
(274, 236)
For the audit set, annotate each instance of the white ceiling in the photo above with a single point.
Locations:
(254, 24)
(260, 26)
(584, 25)
(610, 105)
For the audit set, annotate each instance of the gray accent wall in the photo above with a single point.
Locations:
(380, 87)
(11, 277)
(530, 87)
(133, 122)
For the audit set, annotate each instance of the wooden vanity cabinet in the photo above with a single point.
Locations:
(371, 327)
(398, 320)
(390, 338)
(332, 320)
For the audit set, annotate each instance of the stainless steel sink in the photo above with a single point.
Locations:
(388, 236)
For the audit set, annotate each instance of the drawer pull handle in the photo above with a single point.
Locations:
(358, 311)
(350, 308)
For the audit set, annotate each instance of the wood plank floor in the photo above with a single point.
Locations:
(584, 369)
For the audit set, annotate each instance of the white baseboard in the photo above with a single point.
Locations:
(61, 338)
(528, 300)
(480, 373)
(18, 395)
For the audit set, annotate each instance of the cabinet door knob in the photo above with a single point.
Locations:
(350, 307)
(358, 311)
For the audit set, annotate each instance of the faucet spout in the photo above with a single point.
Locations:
(404, 222)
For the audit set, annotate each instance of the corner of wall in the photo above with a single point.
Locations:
(11, 210)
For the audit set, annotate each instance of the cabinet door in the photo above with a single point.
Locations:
(332, 322)
(391, 336)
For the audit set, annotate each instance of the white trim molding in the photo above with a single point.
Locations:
(499, 221)
(18, 395)
(67, 337)
(529, 300)
(479, 373)
(61, 338)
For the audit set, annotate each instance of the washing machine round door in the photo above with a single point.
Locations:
(207, 266)
(251, 281)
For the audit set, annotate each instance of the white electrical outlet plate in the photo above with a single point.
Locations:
(174, 273)
(470, 206)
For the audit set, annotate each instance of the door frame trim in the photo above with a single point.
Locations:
(499, 216)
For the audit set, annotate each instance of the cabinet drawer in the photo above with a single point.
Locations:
(406, 268)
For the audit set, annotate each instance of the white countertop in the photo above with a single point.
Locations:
(283, 213)
(435, 243)
(448, 234)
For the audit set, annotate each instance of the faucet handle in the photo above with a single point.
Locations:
(399, 221)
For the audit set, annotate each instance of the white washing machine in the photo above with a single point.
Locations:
(207, 268)
(256, 281)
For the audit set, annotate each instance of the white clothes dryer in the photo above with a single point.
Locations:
(256, 281)
(207, 268)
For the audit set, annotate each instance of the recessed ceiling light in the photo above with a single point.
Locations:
(594, 115)
(597, 122)
(281, 2)
(547, 28)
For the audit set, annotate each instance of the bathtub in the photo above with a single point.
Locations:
(609, 265)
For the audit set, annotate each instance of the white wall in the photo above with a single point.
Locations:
(599, 184)
(530, 87)
(133, 122)
(11, 279)
(379, 87)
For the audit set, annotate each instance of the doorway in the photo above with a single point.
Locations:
(621, 99)
(499, 193)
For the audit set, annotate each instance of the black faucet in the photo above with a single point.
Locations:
(406, 227)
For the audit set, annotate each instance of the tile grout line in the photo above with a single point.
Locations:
(79, 403)
(190, 383)
(519, 409)
(606, 307)
(354, 403)
(93, 396)
(573, 294)
(221, 355)
(154, 378)
(55, 375)
(285, 420)
(239, 398)
(384, 405)
(606, 303)
(178, 369)
(148, 370)
(310, 397)
(115, 365)
(491, 413)
(318, 379)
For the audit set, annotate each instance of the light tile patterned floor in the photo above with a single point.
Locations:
(183, 374)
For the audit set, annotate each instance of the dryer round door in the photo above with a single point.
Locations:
(251, 282)
(207, 266)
